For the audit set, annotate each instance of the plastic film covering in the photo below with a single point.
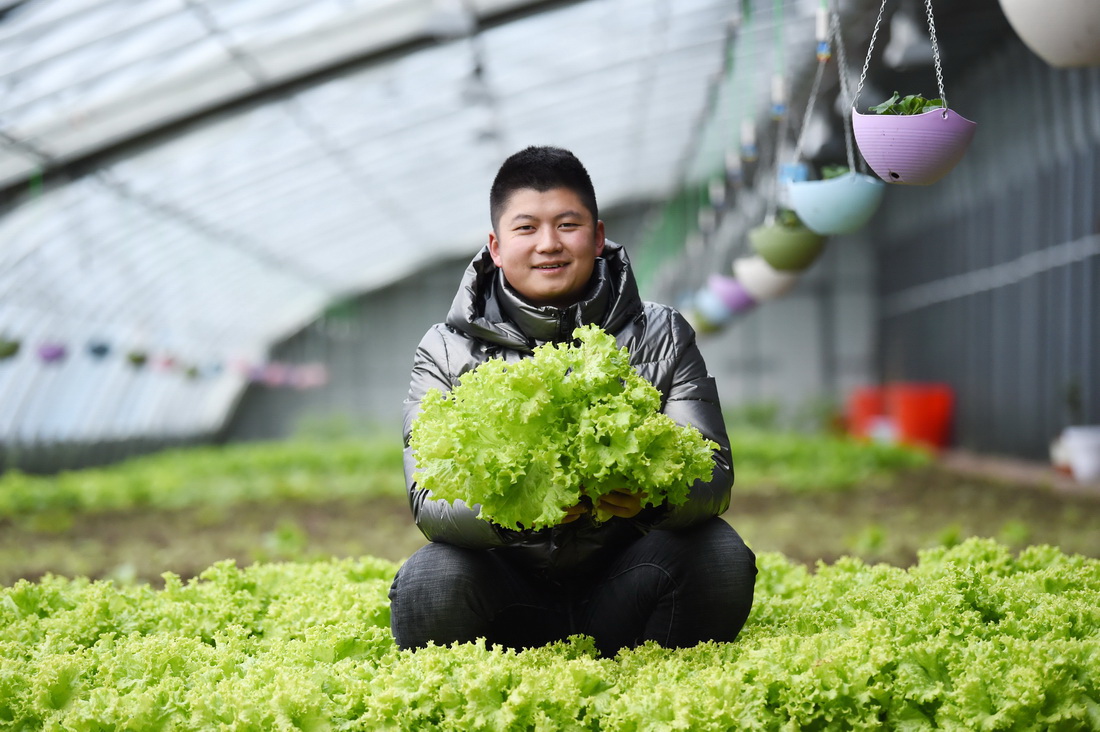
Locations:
(188, 181)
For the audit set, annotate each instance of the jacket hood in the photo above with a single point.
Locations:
(488, 309)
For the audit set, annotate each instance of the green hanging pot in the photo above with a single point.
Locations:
(8, 349)
(787, 247)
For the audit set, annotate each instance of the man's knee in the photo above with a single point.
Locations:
(436, 574)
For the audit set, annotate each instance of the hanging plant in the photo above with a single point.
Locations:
(844, 200)
(137, 359)
(1064, 33)
(915, 149)
(761, 281)
(707, 313)
(52, 352)
(8, 348)
(731, 293)
(837, 204)
(787, 244)
(911, 140)
(98, 349)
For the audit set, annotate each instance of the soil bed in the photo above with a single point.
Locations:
(884, 523)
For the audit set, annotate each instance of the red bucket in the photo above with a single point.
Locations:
(865, 405)
(921, 412)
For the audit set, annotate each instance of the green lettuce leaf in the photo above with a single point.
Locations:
(525, 439)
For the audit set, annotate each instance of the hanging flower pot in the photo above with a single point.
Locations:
(787, 244)
(98, 349)
(761, 281)
(911, 140)
(1064, 33)
(731, 293)
(52, 352)
(711, 313)
(837, 205)
(912, 149)
(8, 348)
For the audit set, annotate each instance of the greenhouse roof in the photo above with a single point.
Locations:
(204, 177)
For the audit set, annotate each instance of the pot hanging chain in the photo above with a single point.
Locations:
(935, 54)
(845, 89)
(870, 48)
(823, 56)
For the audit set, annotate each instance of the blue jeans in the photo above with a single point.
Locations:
(677, 588)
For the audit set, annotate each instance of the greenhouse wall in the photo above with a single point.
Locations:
(368, 349)
(987, 279)
(795, 354)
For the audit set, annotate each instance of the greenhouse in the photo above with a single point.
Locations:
(226, 227)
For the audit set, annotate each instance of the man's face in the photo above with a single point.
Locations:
(547, 245)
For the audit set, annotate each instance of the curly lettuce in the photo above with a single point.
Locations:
(525, 439)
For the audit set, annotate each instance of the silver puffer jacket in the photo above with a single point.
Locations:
(488, 319)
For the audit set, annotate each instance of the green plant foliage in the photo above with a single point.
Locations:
(221, 477)
(216, 477)
(528, 438)
(787, 217)
(791, 461)
(912, 104)
(834, 171)
(972, 637)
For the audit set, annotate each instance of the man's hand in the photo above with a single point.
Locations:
(572, 513)
(621, 503)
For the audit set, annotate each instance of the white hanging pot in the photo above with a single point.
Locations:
(838, 205)
(761, 281)
(1064, 33)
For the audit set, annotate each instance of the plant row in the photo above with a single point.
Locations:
(315, 470)
(972, 637)
(214, 476)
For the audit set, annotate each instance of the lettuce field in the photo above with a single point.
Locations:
(288, 627)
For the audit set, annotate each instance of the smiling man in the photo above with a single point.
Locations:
(674, 575)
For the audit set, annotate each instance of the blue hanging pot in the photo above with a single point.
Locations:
(838, 205)
(98, 349)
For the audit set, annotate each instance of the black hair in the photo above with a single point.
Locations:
(541, 168)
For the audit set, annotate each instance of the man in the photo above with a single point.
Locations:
(675, 575)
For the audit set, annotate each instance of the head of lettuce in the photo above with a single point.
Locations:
(573, 422)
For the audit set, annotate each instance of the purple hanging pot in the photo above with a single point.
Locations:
(912, 149)
(52, 352)
(731, 293)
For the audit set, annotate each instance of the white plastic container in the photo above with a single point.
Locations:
(1082, 446)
